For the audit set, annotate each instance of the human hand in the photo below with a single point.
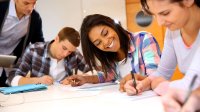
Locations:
(173, 99)
(46, 79)
(77, 80)
(192, 105)
(130, 90)
(65, 81)
(127, 78)
(162, 88)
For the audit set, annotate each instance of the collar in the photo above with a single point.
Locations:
(47, 49)
(12, 10)
(132, 46)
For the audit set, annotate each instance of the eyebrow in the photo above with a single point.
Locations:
(161, 13)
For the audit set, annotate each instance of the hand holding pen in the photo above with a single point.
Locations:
(189, 100)
(175, 101)
(134, 86)
(134, 82)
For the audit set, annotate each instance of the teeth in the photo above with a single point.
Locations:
(111, 44)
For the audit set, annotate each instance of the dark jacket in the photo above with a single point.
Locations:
(34, 32)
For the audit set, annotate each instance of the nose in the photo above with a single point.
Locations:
(31, 7)
(105, 42)
(160, 20)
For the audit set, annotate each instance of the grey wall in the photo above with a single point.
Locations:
(59, 13)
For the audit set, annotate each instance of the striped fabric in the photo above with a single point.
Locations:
(37, 60)
(144, 53)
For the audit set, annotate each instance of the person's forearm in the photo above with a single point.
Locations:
(156, 81)
(25, 80)
(92, 79)
(146, 83)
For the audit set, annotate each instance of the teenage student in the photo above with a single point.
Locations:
(49, 62)
(107, 44)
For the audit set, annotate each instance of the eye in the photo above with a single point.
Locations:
(105, 33)
(26, 3)
(64, 48)
(165, 13)
(97, 43)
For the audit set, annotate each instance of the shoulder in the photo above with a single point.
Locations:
(35, 15)
(77, 53)
(143, 36)
(38, 46)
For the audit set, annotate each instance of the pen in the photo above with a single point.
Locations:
(76, 71)
(134, 82)
(190, 89)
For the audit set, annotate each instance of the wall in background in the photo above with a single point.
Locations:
(59, 13)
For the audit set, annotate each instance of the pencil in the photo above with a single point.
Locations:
(134, 82)
(190, 89)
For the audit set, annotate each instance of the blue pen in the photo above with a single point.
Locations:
(134, 82)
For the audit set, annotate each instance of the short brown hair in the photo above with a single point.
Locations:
(145, 6)
(70, 34)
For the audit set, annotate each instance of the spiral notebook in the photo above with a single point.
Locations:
(23, 88)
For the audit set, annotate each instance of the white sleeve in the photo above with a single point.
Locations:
(168, 60)
(193, 70)
(15, 80)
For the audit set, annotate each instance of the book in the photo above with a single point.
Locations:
(23, 88)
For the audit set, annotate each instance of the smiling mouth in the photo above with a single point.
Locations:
(111, 45)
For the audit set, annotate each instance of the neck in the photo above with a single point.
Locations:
(19, 14)
(120, 55)
(51, 49)
(191, 29)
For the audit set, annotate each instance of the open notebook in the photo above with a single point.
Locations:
(23, 88)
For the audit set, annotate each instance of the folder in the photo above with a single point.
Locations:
(23, 88)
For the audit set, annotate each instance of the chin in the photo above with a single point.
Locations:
(172, 28)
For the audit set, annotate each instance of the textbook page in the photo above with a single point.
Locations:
(119, 96)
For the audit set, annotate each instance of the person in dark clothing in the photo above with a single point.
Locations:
(20, 25)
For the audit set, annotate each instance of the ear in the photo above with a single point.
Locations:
(57, 39)
(188, 3)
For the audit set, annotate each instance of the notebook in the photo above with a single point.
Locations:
(23, 88)
(7, 60)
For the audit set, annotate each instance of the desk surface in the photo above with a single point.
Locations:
(65, 98)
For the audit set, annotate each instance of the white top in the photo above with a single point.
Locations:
(57, 69)
(124, 68)
(194, 69)
(176, 52)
